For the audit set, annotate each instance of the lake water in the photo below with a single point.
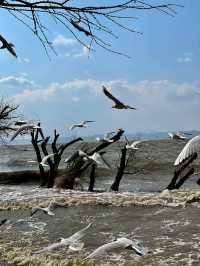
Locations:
(167, 225)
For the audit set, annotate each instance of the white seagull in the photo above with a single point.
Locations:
(177, 135)
(96, 158)
(47, 210)
(72, 242)
(43, 162)
(106, 137)
(22, 128)
(82, 124)
(133, 145)
(120, 243)
(117, 103)
(192, 146)
(8, 45)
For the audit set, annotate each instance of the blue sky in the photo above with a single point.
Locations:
(161, 79)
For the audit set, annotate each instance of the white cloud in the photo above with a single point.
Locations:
(61, 40)
(143, 91)
(186, 58)
(14, 80)
(161, 104)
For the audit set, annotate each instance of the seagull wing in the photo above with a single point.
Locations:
(8, 46)
(100, 160)
(34, 211)
(11, 49)
(190, 148)
(20, 129)
(72, 127)
(87, 121)
(102, 250)
(46, 158)
(133, 145)
(109, 95)
(50, 247)
(74, 156)
(78, 235)
(76, 246)
(181, 135)
(138, 251)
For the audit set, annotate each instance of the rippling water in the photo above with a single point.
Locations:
(171, 234)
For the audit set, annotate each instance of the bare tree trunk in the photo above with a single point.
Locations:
(79, 165)
(35, 141)
(120, 172)
(179, 170)
(92, 178)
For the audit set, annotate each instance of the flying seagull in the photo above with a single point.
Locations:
(133, 145)
(178, 135)
(120, 243)
(95, 158)
(20, 122)
(192, 146)
(46, 158)
(106, 137)
(117, 103)
(72, 242)
(82, 124)
(7, 45)
(22, 128)
(47, 210)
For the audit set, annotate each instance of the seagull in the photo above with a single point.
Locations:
(74, 156)
(95, 158)
(106, 137)
(72, 242)
(178, 135)
(20, 122)
(133, 145)
(118, 104)
(8, 46)
(47, 210)
(46, 158)
(22, 128)
(192, 146)
(82, 124)
(120, 243)
(98, 159)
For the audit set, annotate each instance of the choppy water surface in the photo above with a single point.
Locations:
(166, 224)
(171, 235)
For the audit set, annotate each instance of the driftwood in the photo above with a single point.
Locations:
(180, 176)
(19, 177)
(48, 179)
(78, 166)
(120, 172)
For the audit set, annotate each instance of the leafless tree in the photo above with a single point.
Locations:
(7, 116)
(90, 24)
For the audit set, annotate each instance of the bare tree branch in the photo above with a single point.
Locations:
(81, 20)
